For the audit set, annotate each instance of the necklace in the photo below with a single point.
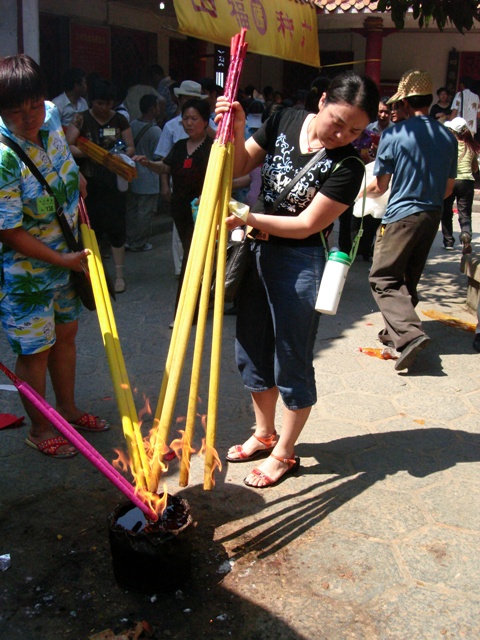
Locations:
(309, 148)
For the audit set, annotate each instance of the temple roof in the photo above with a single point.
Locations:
(343, 6)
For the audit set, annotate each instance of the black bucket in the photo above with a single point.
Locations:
(150, 557)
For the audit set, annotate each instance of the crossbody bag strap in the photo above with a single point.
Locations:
(356, 240)
(141, 133)
(281, 197)
(72, 244)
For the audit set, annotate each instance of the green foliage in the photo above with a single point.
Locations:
(461, 13)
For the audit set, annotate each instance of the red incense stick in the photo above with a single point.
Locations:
(79, 442)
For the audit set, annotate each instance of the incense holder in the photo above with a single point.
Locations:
(151, 557)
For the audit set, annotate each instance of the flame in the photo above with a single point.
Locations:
(145, 409)
(122, 463)
(156, 502)
(180, 448)
(216, 462)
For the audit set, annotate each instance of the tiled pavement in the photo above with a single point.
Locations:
(377, 537)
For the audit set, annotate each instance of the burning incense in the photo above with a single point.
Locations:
(216, 352)
(217, 188)
(118, 371)
(79, 442)
(198, 353)
(186, 309)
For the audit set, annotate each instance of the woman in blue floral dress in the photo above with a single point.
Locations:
(39, 308)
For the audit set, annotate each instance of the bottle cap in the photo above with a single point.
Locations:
(340, 256)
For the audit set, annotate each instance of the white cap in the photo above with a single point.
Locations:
(457, 124)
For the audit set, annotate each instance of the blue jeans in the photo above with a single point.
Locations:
(277, 322)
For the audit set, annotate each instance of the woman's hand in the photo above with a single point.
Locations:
(223, 105)
(76, 261)
(231, 222)
(143, 160)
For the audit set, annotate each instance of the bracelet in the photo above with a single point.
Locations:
(239, 209)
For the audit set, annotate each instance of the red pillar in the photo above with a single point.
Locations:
(373, 49)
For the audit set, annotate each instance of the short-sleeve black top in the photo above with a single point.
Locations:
(188, 174)
(279, 136)
(105, 136)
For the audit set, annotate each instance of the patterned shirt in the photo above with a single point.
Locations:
(19, 191)
(466, 103)
(337, 175)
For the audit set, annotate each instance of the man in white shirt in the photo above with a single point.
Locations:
(466, 104)
(72, 100)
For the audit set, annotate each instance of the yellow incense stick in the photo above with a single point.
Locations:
(217, 331)
(198, 353)
(186, 308)
(116, 363)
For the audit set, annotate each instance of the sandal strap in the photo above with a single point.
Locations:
(290, 461)
(52, 445)
(268, 441)
(262, 476)
(240, 451)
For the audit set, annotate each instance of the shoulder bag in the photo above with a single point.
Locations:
(238, 252)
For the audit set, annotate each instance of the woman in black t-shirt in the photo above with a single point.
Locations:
(276, 321)
(441, 110)
(187, 164)
(105, 203)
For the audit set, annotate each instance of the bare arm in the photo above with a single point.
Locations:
(378, 186)
(26, 244)
(321, 212)
(72, 133)
(157, 166)
(241, 182)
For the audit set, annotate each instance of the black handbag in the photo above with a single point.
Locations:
(80, 279)
(236, 266)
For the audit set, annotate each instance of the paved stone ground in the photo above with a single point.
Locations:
(376, 538)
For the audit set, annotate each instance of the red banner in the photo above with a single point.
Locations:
(90, 48)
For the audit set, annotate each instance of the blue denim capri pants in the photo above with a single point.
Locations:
(277, 322)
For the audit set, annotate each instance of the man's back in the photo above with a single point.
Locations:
(421, 155)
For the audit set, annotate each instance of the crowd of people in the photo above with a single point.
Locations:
(299, 165)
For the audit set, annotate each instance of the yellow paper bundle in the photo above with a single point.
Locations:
(110, 161)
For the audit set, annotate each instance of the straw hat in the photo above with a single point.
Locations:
(414, 82)
(191, 89)
(457, 124)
